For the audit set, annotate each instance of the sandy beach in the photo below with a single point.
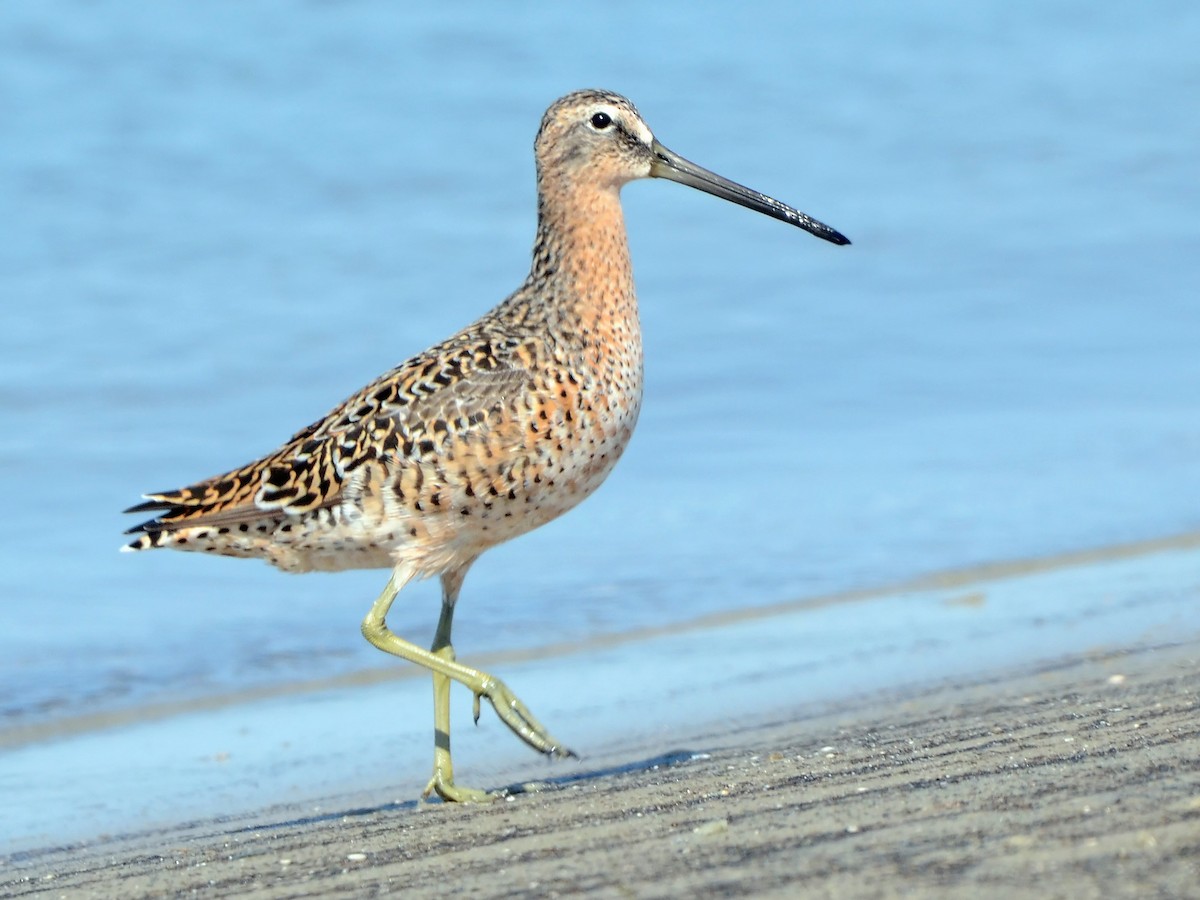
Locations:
(1079, 778)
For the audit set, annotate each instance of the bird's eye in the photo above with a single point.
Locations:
(600, 121)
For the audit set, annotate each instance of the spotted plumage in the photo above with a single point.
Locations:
(481, 438)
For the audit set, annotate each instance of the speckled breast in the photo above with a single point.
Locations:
(527, 459)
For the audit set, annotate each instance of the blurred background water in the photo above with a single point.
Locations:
(222, 218)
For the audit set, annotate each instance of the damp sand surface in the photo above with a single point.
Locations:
(1079, 777)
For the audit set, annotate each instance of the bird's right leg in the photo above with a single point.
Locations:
(443, 767)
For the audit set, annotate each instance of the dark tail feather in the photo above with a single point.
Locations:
(166, 510)
(148, 527)
(150, 506)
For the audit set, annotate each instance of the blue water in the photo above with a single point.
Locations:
(222, 218)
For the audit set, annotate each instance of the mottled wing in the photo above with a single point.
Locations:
(450, 388)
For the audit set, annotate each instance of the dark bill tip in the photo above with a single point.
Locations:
(672, 166)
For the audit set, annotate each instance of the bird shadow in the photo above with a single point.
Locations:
(670, 759)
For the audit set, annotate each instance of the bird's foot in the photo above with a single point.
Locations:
(516, 716)
(443, 785)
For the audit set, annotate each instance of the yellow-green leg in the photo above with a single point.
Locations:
(441, 662)
(443, 768)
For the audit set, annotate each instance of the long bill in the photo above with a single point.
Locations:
(672, 166)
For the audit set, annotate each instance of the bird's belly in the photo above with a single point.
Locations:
(476, 494)
(552, 485)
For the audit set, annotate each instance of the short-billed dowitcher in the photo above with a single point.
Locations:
(483, 437)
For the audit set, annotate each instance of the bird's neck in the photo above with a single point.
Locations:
(581, 260)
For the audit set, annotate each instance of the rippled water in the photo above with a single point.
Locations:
(223, 218)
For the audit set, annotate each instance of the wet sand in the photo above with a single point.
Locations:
(1078, 778)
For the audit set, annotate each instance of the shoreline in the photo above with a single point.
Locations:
(985, 573)
(1076, 777)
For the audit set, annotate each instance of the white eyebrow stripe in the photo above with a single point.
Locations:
(643, 133)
